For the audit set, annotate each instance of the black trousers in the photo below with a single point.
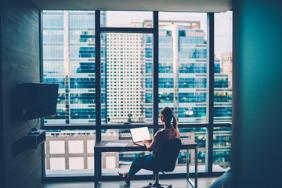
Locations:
(147, 162)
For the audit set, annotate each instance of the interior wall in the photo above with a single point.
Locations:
(1, 119)
(257, 73)
(19, 64)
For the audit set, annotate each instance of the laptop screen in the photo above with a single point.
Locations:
(140, 134)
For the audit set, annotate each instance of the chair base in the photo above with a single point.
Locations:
(151, 185)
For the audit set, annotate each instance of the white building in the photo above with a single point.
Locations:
(125, 79)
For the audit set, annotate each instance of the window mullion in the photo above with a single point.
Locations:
(98, 75)
(155, 69)
(210, 90)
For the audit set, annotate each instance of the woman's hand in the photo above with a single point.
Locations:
(147, 143)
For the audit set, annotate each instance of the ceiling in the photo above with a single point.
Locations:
(137, 5)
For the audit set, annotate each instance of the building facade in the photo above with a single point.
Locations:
(69, 60)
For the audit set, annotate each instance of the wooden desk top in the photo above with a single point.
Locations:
(128, 145)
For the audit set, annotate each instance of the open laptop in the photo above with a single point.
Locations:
(139, 135)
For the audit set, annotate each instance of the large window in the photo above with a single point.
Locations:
(144, 66)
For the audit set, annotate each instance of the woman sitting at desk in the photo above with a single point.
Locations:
(170, 131)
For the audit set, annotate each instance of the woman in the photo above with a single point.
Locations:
(147, 162)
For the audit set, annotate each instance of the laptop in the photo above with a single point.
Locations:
(139, 135)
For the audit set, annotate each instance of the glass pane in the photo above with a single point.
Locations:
(128, 19)
(126, 86)
(198, 135)
(69, 153)
(223, 68)
(183, 65)
(76, 163)
(57, 147)
(69, 60)
(57, 164)
(75, 146)
(221, 149)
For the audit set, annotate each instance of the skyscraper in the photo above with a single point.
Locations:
(125, 77)
(69, 60)
(182, 70)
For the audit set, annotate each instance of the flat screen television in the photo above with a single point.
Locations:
(38, 100)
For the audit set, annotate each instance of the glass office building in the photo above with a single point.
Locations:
(69, 60)
(182, 71)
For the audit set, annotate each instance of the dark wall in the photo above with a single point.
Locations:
(1, 114)
(19, 64)
(257, 147)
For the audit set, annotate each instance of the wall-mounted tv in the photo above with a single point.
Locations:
(37, 100)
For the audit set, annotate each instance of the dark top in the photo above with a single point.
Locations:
(161, 137)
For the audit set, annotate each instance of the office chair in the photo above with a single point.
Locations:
(166, 161)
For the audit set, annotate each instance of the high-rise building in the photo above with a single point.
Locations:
(182, 71)
(69, 60)
(223, 89)
(125, 77)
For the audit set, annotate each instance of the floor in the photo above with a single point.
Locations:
(177, 183)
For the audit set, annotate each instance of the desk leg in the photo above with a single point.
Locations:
(196, 167)
(97, 168)
(187, 165)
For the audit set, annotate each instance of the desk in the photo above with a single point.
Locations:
(127, 145)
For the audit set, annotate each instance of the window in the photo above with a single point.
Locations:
(127, 62)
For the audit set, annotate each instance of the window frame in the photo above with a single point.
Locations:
(98, 126)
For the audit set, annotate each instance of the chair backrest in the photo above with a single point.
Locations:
(168, 154)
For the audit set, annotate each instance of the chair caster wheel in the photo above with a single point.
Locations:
(150, 184)
(170, 186)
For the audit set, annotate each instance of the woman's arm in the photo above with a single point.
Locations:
(150, 145)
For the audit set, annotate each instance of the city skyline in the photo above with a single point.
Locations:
(126, 64)
(79, 65)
